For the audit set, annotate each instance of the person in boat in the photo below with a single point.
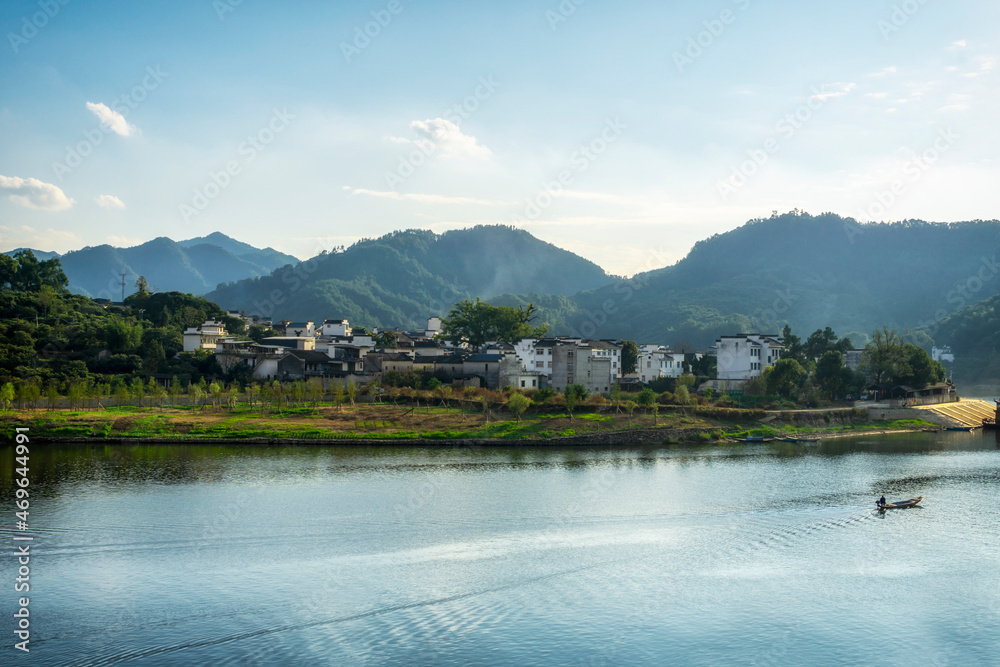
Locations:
(880, 502)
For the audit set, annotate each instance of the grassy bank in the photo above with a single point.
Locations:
(400, 423)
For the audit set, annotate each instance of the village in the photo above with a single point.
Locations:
(335, 352)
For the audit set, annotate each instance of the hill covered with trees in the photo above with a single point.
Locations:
(807, 271)
(400, 279)
(194, 266)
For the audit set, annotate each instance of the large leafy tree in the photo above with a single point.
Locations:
(884, 358)
(630, 356)
(832, 377)
(473, 323)
(786, 378)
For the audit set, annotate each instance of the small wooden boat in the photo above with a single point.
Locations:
(960, 428)
(757, 438)
(902, 504)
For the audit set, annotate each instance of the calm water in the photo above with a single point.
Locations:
(153, 555)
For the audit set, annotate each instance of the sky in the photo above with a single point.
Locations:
(624, 132)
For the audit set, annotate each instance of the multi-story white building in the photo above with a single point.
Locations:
(301, 329)
(205, 337)
(335, 328)
(535, 355)
(656, 362)
(942, 354)
(745, 356)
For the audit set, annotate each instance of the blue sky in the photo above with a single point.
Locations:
(622, 131)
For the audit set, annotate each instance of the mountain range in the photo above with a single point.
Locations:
(194, 266)
(806, 271)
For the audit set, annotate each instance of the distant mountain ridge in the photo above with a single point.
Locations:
(806, 271)
(193, 266)
(400, 279)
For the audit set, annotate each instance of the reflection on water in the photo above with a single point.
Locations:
(751, 554)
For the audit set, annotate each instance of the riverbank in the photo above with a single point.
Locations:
(382, 424)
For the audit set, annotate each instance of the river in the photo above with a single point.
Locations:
(739, 554)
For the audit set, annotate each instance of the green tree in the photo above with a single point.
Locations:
(6, 395)
(572, 398)
(517, 404)
(786, 378)
(142, 287)
(832, 377)
(884, 358)
(919, 370)
(646, 398)
(473, 323)
(630, 356)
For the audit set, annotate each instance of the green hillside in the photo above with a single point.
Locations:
(402, 278)
(194, 266)
(808, 271)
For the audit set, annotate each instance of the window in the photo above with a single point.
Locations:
(522, 384)
(649, 364)
(540, 364)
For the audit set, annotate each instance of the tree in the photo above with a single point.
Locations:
(832, 377)
(571, 400)
(920, 369)
(819, 342)
(884, 358)
(793, 345)
(630, 356)
(646, 398)
(141, 286)
(473, 323)
(786, 378)
(517, 404)
(6, 395)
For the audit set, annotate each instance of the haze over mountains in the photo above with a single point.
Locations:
(195, 265)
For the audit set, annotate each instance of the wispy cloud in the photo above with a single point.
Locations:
(112, 119)
(33, 193)
(447, 138)
(885, 71)
(986, 65)
(960, 44)
(832, 90)
(109, 201)
(28, 237)
(422, 198)
(122, 241)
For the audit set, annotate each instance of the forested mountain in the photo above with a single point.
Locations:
(194, 266)
(402, 278)
(808, 271)
(973, 334)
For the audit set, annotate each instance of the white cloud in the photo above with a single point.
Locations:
(449, 139)
(29, 237)
(986, 65)
(122, 241)
(33, 193)
(109, 201)
(112, 119)
(831, 90)
(423, 199)
(960, 44)
(885, 71)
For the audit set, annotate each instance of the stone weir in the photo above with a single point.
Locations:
(967, 412)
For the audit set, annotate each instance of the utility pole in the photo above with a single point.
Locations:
(123, 287)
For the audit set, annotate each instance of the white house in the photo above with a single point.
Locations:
(656, 362)
(745, 356)
(301, 329)
(205, 337)
(535, 355)
(942, 354)
(433, 327)
(335, 328)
